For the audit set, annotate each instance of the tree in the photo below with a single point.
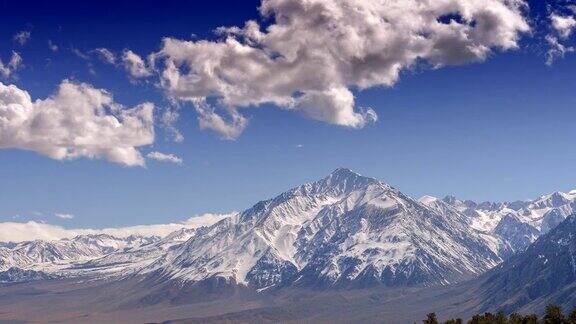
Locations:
(431, 319)
(572, 316)
(554, 315)
(530, 319)
(500, 318)
(487, 318)
(516, 318)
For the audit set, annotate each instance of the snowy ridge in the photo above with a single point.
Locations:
(127, 261)
(519, 223)
(49, 255)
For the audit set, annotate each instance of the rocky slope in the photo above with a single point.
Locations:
(544, 273)
(519, 223)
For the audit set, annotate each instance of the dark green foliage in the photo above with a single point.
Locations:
(489, 318)
(522, 319)
(531, 319)
(431, 319)
(554, 315)
(572, 316)
(500, 318)
(515, 318)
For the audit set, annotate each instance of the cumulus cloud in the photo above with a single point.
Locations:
(135, 65)
(6, 70)
(18, 232)
(22, 37)
(313, 53)
(563, 25)
(64, 216)
(105, 55)
(77, 121)
(162, 157)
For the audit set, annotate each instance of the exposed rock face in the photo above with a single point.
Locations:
(16, 275)
(519, 235)
(544, 273)
(518, 223)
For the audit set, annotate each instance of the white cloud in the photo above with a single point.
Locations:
(168, 120)
(80, 54)
(77, 121)
(162, 157)
(562, 28)
(135, 65)
(64, 216)
(106, 55)
(22, 37)
(208, 118)
(6, 70)
(18, 232)
(206, 219)
(314, 52)
(53, 47)
(563, 25)
(556, 49)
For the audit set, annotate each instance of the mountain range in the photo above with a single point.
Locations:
(343, 232)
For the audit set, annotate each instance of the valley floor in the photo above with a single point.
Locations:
(127, 302)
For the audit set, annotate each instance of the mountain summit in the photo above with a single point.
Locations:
(347, 175)
(340, 181)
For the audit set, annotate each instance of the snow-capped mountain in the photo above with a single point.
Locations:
(343, 229)
(127, 261)
(519, 222)
(544, 273)
(43, 255)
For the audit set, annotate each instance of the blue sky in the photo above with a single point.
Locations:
(501, 129)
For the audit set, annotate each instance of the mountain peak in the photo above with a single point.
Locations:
(347, 176)
(338, 182)
(343, 180)
(344, 172)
